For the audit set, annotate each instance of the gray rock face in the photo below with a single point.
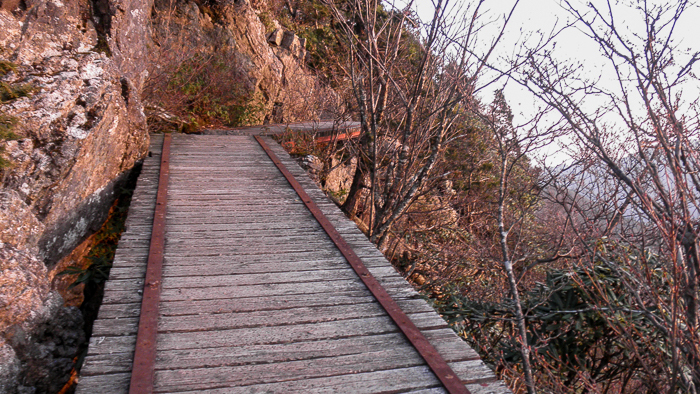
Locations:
(81, 130)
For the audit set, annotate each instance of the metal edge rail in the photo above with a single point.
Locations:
(431, 356)
(142, 372)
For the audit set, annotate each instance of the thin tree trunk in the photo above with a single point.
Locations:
(355, 188)
(508, 267)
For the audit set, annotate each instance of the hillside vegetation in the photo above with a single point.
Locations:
(579, 278)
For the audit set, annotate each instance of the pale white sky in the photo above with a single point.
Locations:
(572, 46)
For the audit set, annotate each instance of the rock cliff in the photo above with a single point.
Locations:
(74, 75)
(218, 54)
(79, 130)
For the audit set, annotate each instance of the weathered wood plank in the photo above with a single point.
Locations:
(395, 380)
(222, 267)
(254, 354)
(102, 364)
(234, 305)
(206, 281)
(111, 345)
(193, 321)
(273, 289)
(254, 225)
(272, 335)
(313, 239)
(389, 358)
(231, 251)
(112, 311)
(338, 272)
(106, 383)
(287, 317)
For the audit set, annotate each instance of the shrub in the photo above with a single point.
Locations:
(205, 90)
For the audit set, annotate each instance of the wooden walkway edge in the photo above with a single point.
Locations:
(255, 296)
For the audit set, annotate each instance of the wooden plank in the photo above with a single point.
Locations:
(239, 251)
(494, 387)
(311, 239)
(243, 304)
(255, 224)
(267, 290)
(283, 230)
(223, 266)
(106, 383)
(450, 346)
(396, 380)
(435, 390)
(115, 327)
(274, 335)
(219, 262)
(111, 363)
(111, 345)
(238, 265)
(113, 311)
(220, 217)
(285, 317)
(389, 358)
(256, 354)
(191, 321)
(206, 281)
(127, 272)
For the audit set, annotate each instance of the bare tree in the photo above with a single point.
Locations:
(516, 207)
(643, 131)
(409, 89)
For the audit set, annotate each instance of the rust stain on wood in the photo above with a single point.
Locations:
(431, 356)
(145, 353)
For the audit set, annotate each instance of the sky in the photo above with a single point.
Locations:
(572, 46)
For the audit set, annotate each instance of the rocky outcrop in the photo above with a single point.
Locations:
(265, 71)
(295, 45)
(81, 129)
(80, 68)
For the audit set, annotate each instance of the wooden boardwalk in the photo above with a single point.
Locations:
(255, 296)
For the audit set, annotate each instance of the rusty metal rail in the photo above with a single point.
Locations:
(339, 137)
(145, 353)
(431, 356)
